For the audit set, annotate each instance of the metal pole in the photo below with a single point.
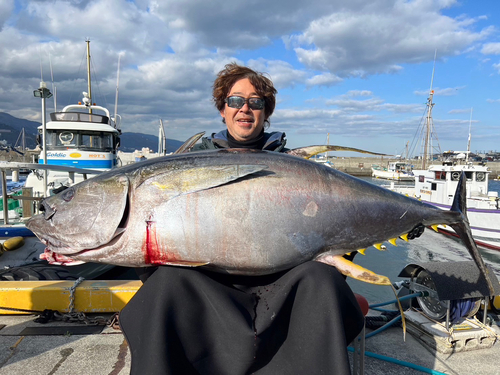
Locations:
(5, 199)
(44, 146)
(88, 75)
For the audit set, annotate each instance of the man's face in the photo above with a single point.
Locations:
(244, 123)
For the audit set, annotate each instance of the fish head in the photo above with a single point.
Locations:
(84, 216)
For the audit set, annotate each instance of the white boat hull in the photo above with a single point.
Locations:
(484, 224)
(391, 175)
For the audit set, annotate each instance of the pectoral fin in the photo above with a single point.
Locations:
(190, 180)
(350, 269)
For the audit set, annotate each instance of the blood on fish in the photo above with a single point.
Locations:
(152, 252)
(55, 258)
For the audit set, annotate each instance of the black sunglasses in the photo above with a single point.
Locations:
(238, 102)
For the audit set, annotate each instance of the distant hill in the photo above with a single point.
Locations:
(130, 142)
(11, 127)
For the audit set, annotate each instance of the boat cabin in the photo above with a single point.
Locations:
(438, 183)
(82, 140)
(398, 166)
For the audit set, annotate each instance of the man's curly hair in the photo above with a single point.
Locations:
(231, 74)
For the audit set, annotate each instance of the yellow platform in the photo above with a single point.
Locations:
(92, 296)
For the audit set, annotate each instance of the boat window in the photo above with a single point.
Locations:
(49, 138)
(79, 117)
(468, 175)
(433, 186)
(480, 176)
(65, 138)
(89, 117)
(440, 175)
(86, 140)
(64, 116)
(421, 179)
(97, 140)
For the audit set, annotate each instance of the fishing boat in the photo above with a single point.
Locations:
(76, 139)
(395, 170)
(81, 136)
(437, 184)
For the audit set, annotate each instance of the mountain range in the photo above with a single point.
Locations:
(11, 128)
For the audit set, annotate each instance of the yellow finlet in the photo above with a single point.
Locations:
(362, 251)
(392, 241)
(404, 237)
(435, 227)
(378, 246)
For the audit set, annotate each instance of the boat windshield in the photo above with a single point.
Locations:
(79, 117)
(84, 140)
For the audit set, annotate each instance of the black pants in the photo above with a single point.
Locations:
(191, 321)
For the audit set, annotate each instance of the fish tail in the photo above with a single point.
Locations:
(463, 230)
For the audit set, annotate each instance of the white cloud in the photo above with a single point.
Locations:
(282, 73)
(171, 51)
(381, 36)
(325, 79)
(491, 49)
(6, 7)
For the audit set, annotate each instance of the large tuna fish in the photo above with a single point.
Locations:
(238, 211)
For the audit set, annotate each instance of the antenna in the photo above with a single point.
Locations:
(117, 85)
(53, 88)
(433, 68)
(41, 67)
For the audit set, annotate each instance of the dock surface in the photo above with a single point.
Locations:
(106, 352)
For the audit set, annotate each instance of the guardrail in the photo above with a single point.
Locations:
(16, 167)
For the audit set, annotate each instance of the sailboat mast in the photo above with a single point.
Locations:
(468, 142)
(428, 124)
(427, 140)
(328, 143)
(88, 74)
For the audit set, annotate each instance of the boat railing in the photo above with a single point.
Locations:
(14, 168)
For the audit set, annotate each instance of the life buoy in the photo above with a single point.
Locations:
(455, 176)
(480, 176)
(13, 243)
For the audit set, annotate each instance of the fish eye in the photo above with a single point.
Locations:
(68, 194)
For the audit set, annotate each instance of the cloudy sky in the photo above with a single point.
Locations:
(359, 71)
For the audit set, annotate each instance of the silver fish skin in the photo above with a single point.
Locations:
(237, 211)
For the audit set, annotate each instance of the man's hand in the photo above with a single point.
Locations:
(416, 232)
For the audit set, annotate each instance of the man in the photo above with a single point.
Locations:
(193, 321)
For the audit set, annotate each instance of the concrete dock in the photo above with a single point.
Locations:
(23, 351)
